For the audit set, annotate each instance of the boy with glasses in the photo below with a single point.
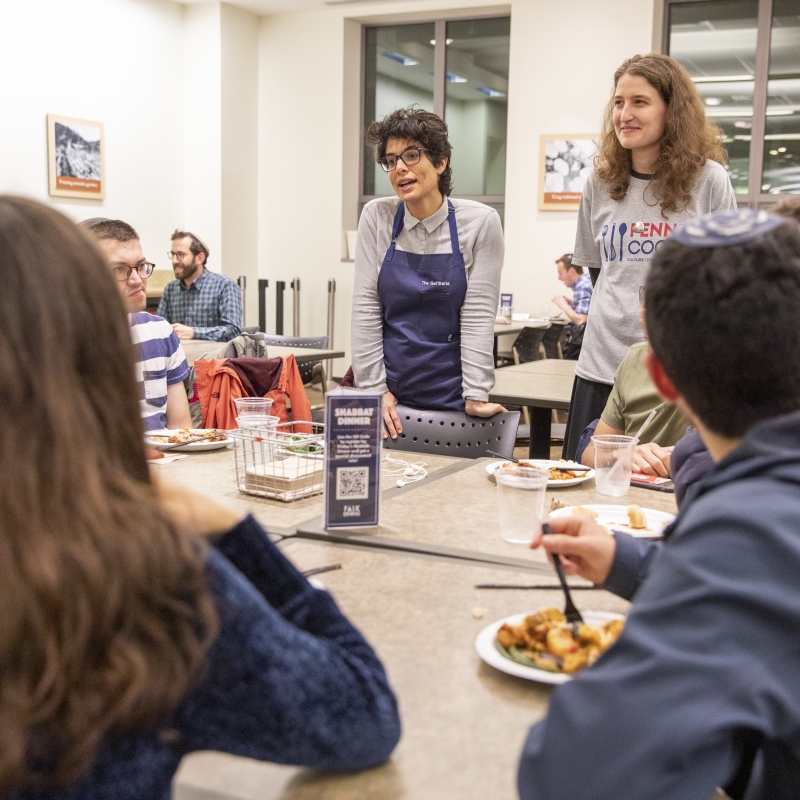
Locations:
(161, 365)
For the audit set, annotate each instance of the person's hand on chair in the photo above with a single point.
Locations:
(481, 408)
(391, 420)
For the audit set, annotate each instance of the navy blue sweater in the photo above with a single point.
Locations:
(288, 680)
(710, 655)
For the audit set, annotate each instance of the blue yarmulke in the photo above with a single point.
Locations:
(723, 228)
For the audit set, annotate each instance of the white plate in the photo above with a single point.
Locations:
(189, 447)
(615, 518)
(544, 464)
(485, 646)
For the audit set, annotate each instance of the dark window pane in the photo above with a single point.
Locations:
(398, 73)
(716, 42)
(476, 104)
(782, 132)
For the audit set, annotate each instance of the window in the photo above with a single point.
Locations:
(744, 56)
(457, 69)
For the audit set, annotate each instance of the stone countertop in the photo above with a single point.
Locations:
(460, 510)
(464, 723)
(213, 473)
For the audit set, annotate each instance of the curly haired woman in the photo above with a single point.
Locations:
(660, 163)
(126, 640)
(427, 279)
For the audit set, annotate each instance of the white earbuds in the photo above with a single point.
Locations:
(401, 484)
(408, 472)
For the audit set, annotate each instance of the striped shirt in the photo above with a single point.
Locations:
(211, 306)
(160, 363)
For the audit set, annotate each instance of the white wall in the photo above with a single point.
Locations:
(115, 61)
(563, 57)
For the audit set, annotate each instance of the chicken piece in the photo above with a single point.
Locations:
(575, 661)
(509, 636)
(636, 518)
(580, 511)
(560, 642)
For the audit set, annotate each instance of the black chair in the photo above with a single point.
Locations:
(454, 433)
(527, 345)
(314, 342)
(554, 338)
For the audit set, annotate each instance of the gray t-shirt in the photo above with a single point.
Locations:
(606, 240)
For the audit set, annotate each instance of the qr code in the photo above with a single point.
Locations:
(352, 483)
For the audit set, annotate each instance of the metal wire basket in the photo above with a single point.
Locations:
(284, 463)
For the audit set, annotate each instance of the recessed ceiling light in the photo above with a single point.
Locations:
(713, 101)
(453, 78)
(446, 41)
(722, 78)
(491, 92)
(781, 149)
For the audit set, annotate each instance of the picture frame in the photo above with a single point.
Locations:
(76, 157)
(564, 163)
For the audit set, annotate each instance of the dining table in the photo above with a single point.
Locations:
(541, 386)
(514, 326)
(411, 586)
(197, 348)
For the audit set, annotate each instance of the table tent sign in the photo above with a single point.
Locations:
(354, 422)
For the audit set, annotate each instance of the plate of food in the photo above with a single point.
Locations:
(643, 523)
(560, 474)
(194, 439)
(542, 646)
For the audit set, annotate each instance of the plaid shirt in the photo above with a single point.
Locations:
(211, 306)
(581, 294)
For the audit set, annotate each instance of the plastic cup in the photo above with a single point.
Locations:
(613, 463)
(257, 422)
(245, 406)
(520, 500)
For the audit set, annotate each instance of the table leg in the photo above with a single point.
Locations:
(494, 351)
(540, 433)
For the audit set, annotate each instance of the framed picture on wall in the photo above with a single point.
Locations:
(76, 157)
(564, 163)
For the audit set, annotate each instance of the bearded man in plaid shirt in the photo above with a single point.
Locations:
(576, 308)
(199, 304)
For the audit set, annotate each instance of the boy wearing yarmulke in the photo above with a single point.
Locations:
(704, 682)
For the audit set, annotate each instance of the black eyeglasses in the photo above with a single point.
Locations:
(145, 270)
(409, 156)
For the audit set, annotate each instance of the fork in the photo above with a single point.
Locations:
(570, 612)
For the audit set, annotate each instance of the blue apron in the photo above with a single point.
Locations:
(422, 297)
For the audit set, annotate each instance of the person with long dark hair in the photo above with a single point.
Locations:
(660, 162)
(427, 279)
(126, 640)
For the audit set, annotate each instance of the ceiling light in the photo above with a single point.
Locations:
(401, 59)
(446, 41)
(453, 78)
(773, 152)
(713, 101)
(781, 149)
(740, 123)
(722, 78)
(490, 92)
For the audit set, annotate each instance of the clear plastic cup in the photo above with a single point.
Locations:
(613, 463)
(245, 406)
(257, 422)
(520, 501)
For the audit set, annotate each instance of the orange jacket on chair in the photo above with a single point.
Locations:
(218, 385)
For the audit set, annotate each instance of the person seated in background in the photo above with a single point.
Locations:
(161, 365)
(130, 637)
(199, 304)
(576, 307)
(631, 400)
(704, 675)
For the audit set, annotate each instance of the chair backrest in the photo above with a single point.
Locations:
(526, 345)
(454, 433)
(554, 338)
(316, 342)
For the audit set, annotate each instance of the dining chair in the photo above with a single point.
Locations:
(527, 345)
(454, 433)
(314, 342)
(554, 339)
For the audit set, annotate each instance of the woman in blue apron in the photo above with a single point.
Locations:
(427, 279)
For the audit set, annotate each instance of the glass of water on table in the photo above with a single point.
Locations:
(613, 463)
(520, 499)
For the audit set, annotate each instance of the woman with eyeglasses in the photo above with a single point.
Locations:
(659, 163)
(140, 621)
(427, 279)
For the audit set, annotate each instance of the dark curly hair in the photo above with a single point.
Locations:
(421, 126)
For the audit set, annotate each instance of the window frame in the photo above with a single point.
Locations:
(755, 197)
(439, 94)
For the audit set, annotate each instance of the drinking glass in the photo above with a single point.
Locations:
(520, 499)
(613, 463)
